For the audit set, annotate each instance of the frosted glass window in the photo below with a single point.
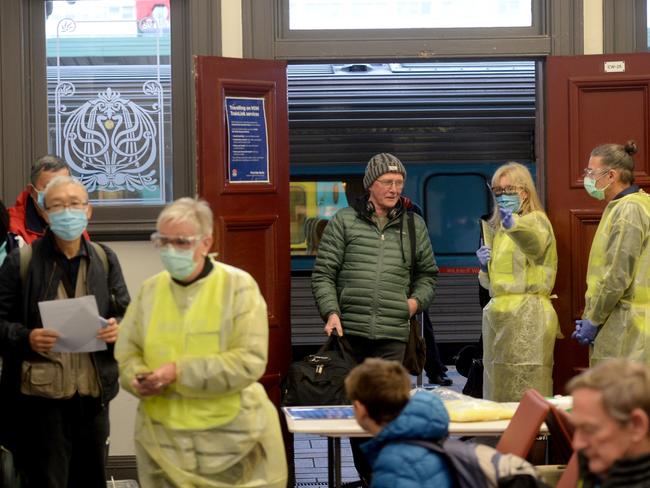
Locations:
(109, 96)
(408, 14)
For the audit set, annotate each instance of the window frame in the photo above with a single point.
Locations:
(556, 29)
(196, 29)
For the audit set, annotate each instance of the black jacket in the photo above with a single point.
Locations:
(19, 312)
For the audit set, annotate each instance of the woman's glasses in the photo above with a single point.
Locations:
(506, 190)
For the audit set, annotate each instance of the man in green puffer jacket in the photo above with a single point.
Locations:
(362, 277)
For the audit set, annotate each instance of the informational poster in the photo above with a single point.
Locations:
(248, 153)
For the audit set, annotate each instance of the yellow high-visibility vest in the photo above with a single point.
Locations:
(196, 334)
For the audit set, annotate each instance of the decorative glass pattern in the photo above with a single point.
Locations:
(109, 97)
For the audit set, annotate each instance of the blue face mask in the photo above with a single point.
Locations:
(509, 202)
(41, 199)
(3, 251)
(179, 263)
(68, 224)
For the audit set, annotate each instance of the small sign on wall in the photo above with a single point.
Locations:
(248, 154)
(614, 66)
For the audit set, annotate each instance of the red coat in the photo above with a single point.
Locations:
(25, 221)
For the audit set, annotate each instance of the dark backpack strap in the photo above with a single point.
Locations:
(102, 255)
(25, 258)
(410, 223)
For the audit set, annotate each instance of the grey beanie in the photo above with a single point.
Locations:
(380, 164)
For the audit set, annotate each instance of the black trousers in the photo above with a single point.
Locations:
(363, 348)
(433, 365)
(62, 442)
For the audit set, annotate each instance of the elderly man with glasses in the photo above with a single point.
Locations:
(363, 281)
(611, 415)
(54, 408)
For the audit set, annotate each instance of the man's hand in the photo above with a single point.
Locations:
(155, 382)
(413, 306)
(42, 340)
(333, 322)
(108, 333)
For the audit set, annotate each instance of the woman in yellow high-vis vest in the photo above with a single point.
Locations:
(518, 264)
(192, 346)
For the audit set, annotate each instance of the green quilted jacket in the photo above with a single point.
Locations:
(363, 274)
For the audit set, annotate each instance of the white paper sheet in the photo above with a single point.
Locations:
(77, 320)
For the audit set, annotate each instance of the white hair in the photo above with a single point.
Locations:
(190, 210)
(59, 181)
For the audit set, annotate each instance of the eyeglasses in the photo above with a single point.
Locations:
(179, 242)
(399, 184)
(506, 190)
(594, 173)
(60, 206)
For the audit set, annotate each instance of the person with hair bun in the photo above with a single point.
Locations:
(616, 318)
(518, 264)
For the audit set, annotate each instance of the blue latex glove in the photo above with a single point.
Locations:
(507, 220)
(483, 254)
(585, 332)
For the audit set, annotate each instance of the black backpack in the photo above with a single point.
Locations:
(318, 379)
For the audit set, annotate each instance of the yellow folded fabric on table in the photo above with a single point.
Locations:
(464, 408)
(479, 410)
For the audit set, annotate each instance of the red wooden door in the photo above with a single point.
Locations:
(251, 217)
(590, 100)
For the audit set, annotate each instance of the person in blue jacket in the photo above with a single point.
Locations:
(380, 392)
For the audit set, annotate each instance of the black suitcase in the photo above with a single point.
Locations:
(318, 379)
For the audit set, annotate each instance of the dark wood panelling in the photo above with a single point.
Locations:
(593, 101)
(248, 243)
(583, 228)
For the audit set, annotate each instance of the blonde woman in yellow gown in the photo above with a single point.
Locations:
(518, 263)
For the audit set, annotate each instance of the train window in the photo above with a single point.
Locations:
(408, 14)
(312, 204)
(109, 96)
(454, 204)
